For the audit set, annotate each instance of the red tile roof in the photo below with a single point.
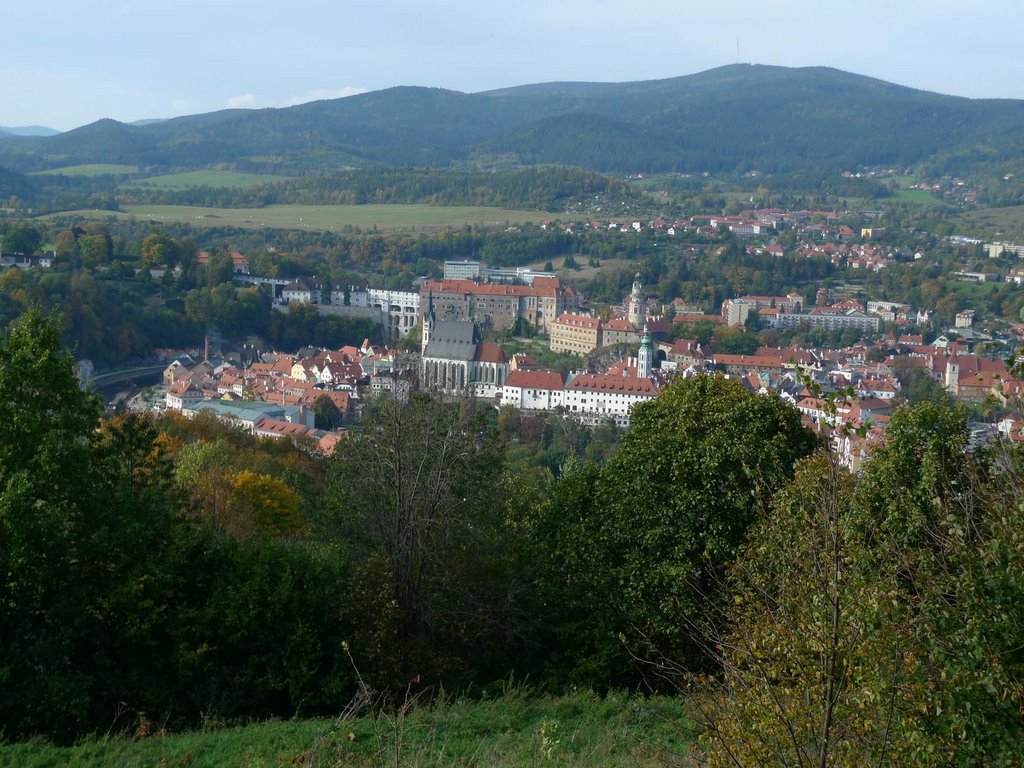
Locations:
(536, 380)
(487, 352)
(596, 382)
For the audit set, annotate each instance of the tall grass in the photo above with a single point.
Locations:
(512, 728)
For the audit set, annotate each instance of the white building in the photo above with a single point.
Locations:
(461, 270)
(596, 398)
(182, 395)
(534, 390)
(401, 308)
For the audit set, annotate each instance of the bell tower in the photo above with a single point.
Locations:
(428, 324)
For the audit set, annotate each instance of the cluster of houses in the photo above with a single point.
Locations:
(813, 226)
(27, 261)
(276, 395)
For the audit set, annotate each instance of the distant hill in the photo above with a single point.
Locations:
(734, 118)
(29, 130)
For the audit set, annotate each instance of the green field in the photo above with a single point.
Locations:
(226, 179)
(321, 218)
(919, 196)
(578, 730)
(994, 221)
(92, 169)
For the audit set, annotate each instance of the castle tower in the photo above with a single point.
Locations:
(428, 324)
(637, 306)
(645, 357)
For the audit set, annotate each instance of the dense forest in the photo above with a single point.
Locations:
(176, 572)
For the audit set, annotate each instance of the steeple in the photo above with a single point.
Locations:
(645, 357)
(428, 324)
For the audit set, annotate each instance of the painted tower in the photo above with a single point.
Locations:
(637, 309)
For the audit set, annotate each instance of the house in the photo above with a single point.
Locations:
(576, 334)
(183, 395)
(302, 290)
(534, 390)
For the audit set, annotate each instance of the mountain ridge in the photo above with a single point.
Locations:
(735, 117)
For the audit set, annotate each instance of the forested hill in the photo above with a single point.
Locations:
(737, 117)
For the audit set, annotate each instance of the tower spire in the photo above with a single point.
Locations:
(428, 324)
(645, 357)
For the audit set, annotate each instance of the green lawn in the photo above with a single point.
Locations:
(334, 218)
(92, 169)
(919, 196)
(513, 730)
(228, 179)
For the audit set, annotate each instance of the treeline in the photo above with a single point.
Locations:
(176, 571)
(545, 189)
(703, 270)
(117, 320)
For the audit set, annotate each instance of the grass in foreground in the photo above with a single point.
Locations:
(208, 178)
(514, 730)
(321, 218)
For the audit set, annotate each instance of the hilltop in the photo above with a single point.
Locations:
(733, 118)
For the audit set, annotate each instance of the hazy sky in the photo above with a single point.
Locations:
(65, 63)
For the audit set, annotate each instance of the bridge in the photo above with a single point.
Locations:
(102, 380)
(276, 284)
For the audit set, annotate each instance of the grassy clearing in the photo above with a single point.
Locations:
(328, 218)
(918, 196)
(91, 169)
(585, 271)
(1004, 221)
(210, 178)
(513, 730)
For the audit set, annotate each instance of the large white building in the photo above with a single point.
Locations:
(587, 397)
(534, 390)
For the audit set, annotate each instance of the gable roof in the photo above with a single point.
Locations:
(452, 340)
(536, 380)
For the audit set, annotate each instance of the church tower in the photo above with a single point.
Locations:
(637, 306)
(645, 357)
(428, 325)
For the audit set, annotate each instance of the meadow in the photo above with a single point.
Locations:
(1005, 222)
(327, 218)
(918, 196)
(512, 729)
(207, 178)
(89, 169)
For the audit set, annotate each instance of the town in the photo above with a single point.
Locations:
(847, 391)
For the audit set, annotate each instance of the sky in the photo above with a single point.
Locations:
(66, 63)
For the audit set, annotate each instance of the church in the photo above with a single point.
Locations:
(455, 361)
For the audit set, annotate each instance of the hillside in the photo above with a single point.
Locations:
(736, 117)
